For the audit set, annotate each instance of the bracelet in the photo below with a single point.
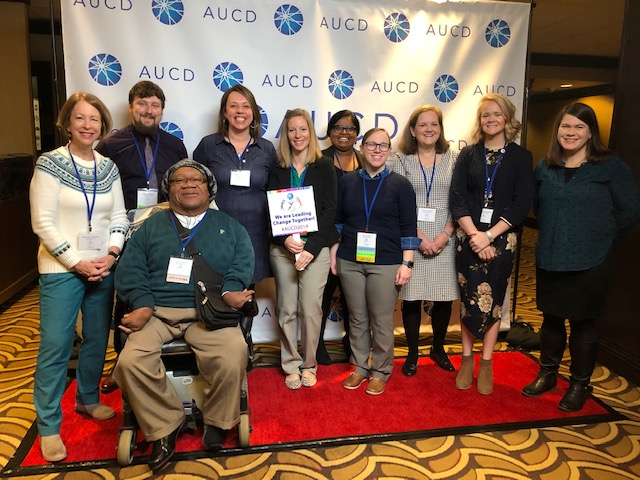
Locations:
(489, 236)
(446, 233)
(114, 255)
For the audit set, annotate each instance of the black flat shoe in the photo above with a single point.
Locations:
(409, 368)
(213, 438)
(164, 449)
(441, 359)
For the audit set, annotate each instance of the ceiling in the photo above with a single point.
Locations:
(566, 37)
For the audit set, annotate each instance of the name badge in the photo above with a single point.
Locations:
(485, 216)
(90, 241)
(179, 270)
(147, 197)
(366, 247)
(426, 214)
(240, 178)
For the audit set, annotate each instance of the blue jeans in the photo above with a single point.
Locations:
(62, 296)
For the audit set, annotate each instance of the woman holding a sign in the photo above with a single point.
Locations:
(427, 162)
(491, 192)
(302, 204)
(376, 216)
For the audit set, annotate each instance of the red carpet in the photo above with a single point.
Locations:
(425, 405)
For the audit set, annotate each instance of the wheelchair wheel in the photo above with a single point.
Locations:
(244, 431)
(126, 447)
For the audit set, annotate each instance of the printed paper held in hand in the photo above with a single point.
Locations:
(292, 211)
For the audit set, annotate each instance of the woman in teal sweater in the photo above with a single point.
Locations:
(585, 199)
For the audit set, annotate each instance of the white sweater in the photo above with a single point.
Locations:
(59, 209)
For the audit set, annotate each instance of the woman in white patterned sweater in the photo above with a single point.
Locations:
(77, 211)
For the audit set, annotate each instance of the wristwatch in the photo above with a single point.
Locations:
(114, 255)
(407, 263)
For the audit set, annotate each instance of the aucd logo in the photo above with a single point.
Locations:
(173, 129)
(396, 27)
(105, 69)
(288, 19)
(497, 33)
(446, 88)
(264, 121)
(226, 75)
(341, 84)
(168, 12)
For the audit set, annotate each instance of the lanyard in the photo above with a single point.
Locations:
(335, 155)
(147, 173)
(84, 191)
(294, 176)
(241, 154)
(191, 233)
(369, 208)
(433, 171)
(488, 185)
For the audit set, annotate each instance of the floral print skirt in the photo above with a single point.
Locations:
(483, 285)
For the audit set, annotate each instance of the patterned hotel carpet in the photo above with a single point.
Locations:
(607, 451)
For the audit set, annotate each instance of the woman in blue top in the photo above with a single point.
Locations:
(376, 214)
(240, 160)
(301, 263)
(585, 199)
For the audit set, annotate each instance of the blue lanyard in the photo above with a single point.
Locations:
(147, 173)
(293, 176)
(191, 234)
(369, 208)
(335, 155)
(241, 154)
(488, 185)
(84, 191)
(430, 184)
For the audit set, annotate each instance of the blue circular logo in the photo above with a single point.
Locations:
(173, 129)
(446, 88)
(341, 84)
(264, 121)
(168, 12)
(226, 75)
(105, 69)
(288, 19)
(396, 27)
(497, 33)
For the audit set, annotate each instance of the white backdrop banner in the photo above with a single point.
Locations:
(379, 58)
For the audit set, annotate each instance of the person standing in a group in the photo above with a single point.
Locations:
(240, 160)
(585, 199)
(376, 218)
(77, 212)
(301, 265)
(343, 130)
(491, 193)
(427, 162)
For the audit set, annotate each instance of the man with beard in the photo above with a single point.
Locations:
(142, 151)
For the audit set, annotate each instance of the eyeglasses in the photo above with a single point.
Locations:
(341, 128)
(371, 146)
(184, 181)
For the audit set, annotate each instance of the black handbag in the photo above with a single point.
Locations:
(522, 335)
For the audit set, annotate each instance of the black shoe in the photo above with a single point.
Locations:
(544, 382)
(409, 368)
(164, 449)
(213, 438)
(441, 359)
(575, 397)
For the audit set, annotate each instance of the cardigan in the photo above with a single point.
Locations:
(321, 176)
(579, 220)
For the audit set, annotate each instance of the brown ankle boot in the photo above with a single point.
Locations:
(464, 379)
(485, 377)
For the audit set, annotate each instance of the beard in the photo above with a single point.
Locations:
(150, 130)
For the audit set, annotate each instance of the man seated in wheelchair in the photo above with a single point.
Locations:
(155, 279)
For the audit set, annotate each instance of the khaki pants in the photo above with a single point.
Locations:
(221, 356)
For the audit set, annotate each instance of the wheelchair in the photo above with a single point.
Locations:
(182, 371)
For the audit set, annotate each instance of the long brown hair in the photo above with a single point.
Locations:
(256, 124)
(284, 147)
(408, 143)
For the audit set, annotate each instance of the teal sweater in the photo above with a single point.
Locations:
(141, 274)
(579, 220)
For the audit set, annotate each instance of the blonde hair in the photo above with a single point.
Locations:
(64, 117)
(511, 125)
(284, 147)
